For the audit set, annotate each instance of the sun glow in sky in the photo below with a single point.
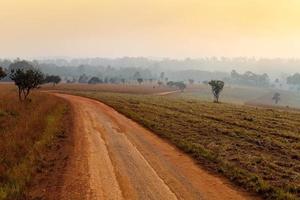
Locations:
(158, 28)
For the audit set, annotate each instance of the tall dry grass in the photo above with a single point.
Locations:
(25, 127)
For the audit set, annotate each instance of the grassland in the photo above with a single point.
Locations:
(243, 95)
(119, 88)
(256, 148)
(230, 94)
(26, 130)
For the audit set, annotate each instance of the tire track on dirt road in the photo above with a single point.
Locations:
(115, 158)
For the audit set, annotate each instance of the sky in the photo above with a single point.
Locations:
(150, 28)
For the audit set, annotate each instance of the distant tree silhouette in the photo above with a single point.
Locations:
(83, 78)
(276, 97)
(2, 73)
(250, 78)
(140, 80)
(20, 64)
(180, 85)
(137, 75)
(170, 83)
(52, 79)
(95, 80)
(216, 87)
(293, 79)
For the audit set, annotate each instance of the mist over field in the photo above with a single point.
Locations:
(276, 67)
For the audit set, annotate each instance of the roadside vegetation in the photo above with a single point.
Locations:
(256, 148)
(27, 129)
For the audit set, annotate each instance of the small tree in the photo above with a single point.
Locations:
(170, 83)
(216, 88)
(276, 98)
(56, 80)
(52, 79)
(83, 78)
(137, 75)
(180, 85)
(2, 73)
(140, 80)
(294, 79)
(26, 80)
(95, 80)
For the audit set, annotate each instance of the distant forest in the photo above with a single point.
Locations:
(127, 69)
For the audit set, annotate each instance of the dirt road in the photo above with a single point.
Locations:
(166, 93)
(115, 158)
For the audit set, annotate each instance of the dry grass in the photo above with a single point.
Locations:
(120, 88)
(230, 94)
(243, 95)
(256, 148)
(25, 129)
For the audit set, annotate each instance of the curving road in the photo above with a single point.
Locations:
(115, 158)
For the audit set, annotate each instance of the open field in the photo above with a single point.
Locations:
(27, 131)
(255, 148)
(231, 94)
(289, 99)
(243, 95)
(119, 88)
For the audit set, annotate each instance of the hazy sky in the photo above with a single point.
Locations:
(159, 28)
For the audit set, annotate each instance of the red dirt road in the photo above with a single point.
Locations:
(115, 158)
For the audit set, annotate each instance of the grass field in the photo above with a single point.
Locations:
(119, 88)
(256, 148)
(243, 95)
(230, 94)
(26, 130)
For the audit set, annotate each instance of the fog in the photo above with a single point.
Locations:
(274, 67)
(178, 69)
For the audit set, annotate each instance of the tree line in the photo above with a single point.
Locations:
(26, 77)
